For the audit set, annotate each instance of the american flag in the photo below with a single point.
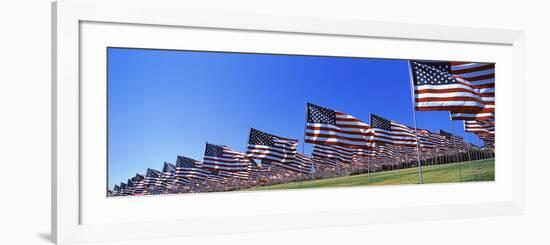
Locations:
(390, 152)
(488, 139)
(481, 76)
(123, 190)
(222, 158)
(139, 184)
(390, 132)
(168, 168)
(154, 177)
(242, 175)
(262, 145)
(129, 190)
(386, 151)
(407, 153)
(451, 140)
(187, 172)
(186, 175)
(116, 190)
(477, 127)
(485, 130)
(425, 139)
(429, 140)
(483, 114)
(216, 178)
(361, 156)
(360, 152)
(168, 173)
(265, 169)
(465, 89)
(187, 162)
(332, 154)
(329, 127)
(301, 164)
(256, 170)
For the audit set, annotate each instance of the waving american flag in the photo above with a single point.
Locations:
(390, 132)
(333, 154)
(478, 127)
(222, 158)
(116, 190)
(262, 145)
(154, 177)
(451, 140)
(329, 127)
(188, 170)
(465, 89)
(168, 173)
(302, 164)
(429, 140)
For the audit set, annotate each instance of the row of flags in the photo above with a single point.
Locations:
(340, 141)
(323, 128)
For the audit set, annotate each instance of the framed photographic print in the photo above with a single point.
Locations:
(175, 122)
(162, 100)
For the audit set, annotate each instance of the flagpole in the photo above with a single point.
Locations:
(368, 170)
(420, 179)
(304, 142)
(436, 159)
(456, 148)
(245, 158)
(467, 146)
(399, 160)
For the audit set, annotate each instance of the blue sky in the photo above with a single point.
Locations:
(162, 103)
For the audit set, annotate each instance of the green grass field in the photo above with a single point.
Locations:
(481, 170)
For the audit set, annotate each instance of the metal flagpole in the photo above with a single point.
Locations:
(438, 158)
(368, 171)
(245, 159)
(399, 160)
(420, 179)
(304, 143)
(300, 173)
(456, 148)
(434, 160)
(468, 148)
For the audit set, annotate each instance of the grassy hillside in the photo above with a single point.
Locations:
(482, 170)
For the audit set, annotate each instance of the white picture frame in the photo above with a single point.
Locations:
(71, 202)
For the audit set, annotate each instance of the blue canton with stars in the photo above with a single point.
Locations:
(138, 177)
(213, 150)
(258, 137)
(432, 73)
(185, 162)
(153, 173)
(448, 135)
(317, 114)
(168, 168)
(445, 134)
(380, 122)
